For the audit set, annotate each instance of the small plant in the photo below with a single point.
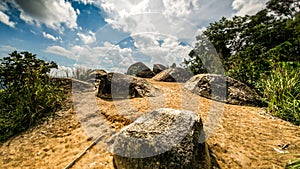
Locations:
(293, 165)
(282, 91)
(27, 93)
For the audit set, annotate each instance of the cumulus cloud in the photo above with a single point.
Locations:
(180, 8)
(87, 38)
(52, 13)
(149, 21)
(52, 37)
(248, 7)
(108, 56)
(5, 19)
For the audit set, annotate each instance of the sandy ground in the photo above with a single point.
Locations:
(246, 137)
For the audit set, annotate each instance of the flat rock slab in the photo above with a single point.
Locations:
(121, 86)
(224, 89)
(165, 138)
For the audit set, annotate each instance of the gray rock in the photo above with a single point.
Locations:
(157, 68)
(120, 86)
(224, 89)
(164, 138)
(82, 86)
(173, 75)
(139, 69)
(96, 74)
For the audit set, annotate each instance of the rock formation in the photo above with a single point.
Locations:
(164, 138)
(157, 68)
(222, 88)
(139, 69)
(120, 86)
(173, 75)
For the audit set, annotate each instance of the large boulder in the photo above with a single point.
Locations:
(223, 88)
(173, 75)
(157, 68)
(164, 138)
(139, 69)
(97, 73)
(116, 85)
(95, 76)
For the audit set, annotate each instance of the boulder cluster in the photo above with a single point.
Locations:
(165, 138)
(135, 84)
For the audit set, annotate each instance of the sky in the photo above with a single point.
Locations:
(111, 34)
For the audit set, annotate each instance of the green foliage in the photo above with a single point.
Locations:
(204, 58)
(282, 90)
(27, 95)
(293, 165)
(257, 47)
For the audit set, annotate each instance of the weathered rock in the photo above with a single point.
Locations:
(81, 86)
(157, 68)
(116, 85)
(96, 74)
(173, 75)
(222, 88)
(139, 69)
(164, 138)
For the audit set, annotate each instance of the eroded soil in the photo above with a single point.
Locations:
(246, 137)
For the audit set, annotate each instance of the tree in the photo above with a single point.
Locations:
(250, 46)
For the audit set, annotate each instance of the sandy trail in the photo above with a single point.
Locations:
(246, 137)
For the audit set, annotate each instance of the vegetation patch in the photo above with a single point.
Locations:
(27, 94)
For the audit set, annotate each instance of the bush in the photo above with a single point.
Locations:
(282, 91)
(27, 94)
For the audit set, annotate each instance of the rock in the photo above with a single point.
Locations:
(139, 69)
(173, 75)
(96, 74)
(225, 89)
(116, 85)
(81, 86)
(164, 138)
(157, 68)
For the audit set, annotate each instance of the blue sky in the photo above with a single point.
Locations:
(111, 34)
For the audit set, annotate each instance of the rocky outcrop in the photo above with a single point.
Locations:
(173, 75)
(139, 69)
(95, 76)
(81, 86)
(164, 138)
(116, 85)
(157, 68)
(222, 88)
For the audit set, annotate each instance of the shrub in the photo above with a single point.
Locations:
(282, 91)
(27, 93)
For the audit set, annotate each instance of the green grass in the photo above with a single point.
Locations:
(293, 165)
(281, 89)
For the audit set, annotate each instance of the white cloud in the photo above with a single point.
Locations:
(5, 19)
(87, 38)
(108, 56)
(180, 8)
(248, 7)
(52, 37)
(58, 50)
(53, 13)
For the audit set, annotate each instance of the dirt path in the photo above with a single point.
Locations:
(246, 138)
